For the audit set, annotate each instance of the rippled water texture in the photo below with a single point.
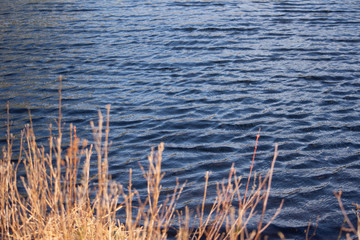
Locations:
(202, 76)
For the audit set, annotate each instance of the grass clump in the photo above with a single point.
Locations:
(56, 198)
(351, 231)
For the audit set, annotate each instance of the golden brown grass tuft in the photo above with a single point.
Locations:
(58, 200)
(56, 204)
(350, 229)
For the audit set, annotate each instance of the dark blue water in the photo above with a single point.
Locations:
(202, 76)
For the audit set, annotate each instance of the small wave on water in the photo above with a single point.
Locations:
(203, 77)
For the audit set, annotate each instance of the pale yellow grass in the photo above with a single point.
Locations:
(59, 201)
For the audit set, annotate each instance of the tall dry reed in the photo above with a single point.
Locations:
(351, 231)
(60, 200)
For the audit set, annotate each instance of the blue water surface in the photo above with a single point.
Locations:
(203, 77)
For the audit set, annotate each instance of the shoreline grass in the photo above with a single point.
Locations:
(61, 201)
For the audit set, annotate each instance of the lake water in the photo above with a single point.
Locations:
(203, 77)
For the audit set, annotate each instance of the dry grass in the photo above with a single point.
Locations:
(351, 231)
(59, 201)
